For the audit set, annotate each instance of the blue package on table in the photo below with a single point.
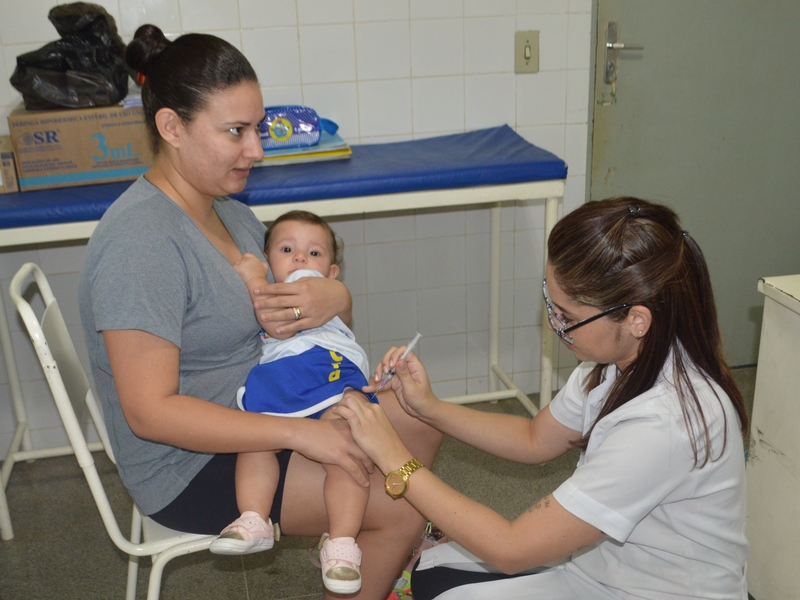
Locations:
(292, 127)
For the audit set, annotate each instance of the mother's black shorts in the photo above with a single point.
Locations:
(208, 504)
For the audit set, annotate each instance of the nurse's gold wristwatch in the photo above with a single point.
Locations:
(396, 483)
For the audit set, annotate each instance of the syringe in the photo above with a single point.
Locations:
(387, 377)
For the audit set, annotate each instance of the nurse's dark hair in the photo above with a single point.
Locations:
(630, 251)
(303, 216)
(181, 75)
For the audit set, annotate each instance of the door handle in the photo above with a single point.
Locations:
(613, 46)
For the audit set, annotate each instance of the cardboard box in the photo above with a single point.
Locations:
(8, 174)
(61, 148)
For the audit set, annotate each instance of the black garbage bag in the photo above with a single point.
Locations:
(84, 68)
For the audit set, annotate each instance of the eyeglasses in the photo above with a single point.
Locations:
(559, 322)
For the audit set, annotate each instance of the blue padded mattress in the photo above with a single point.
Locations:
(493, 156)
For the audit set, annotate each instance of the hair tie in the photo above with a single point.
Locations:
(140, 78)
(685, 233)
(634, 209)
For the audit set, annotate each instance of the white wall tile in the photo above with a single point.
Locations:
(579, 44)
(541, 98)
(437, 47)
(442, 310)
(385, 10)
(163, 13)
(327, 53)
(438, 104)
(579, 82)
(436, 9)
(62, 259)
(386, 139)
(433, 222)
(487, 8)
(525, 294)
(553, 37)
(392, 320)
(527, 342)
(281, 95)
(318, 12)
(384, 107)
(548, 137)
(477, 249)
(445, 356)
(446, 389)
(360, 323)
(580, 6)
(478, 354)
(274, 54)
(575, 148)
(232, 36)
(349, 229)
(477, 219)
(490, 100)
(26, 22)
(389, 227)
(440, 261)
(5, 86)
(528, 254)
(208, 16)
(529, 214)
(541, 7)
(391, 267)
(65, 288)
(489, 45)
(354, 269)
(267, 13)
(575, 193)
(383, 50)
(478, 306)
(337, 102)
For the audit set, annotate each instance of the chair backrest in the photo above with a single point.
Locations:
(59, 359)
(67, 381)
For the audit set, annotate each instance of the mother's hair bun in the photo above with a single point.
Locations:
(147, 44)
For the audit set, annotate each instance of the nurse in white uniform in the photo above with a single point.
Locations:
(656, 506)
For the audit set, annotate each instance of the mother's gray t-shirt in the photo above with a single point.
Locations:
(148, 267)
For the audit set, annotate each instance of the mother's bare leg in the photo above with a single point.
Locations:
(391, 527)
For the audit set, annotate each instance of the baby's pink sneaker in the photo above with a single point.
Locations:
(341, 565)
(246, 535)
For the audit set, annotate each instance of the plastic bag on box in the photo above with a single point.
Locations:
(84, 68)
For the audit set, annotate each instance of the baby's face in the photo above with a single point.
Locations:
(297, 245)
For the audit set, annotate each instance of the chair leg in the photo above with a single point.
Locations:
(160, 561)
(133, 561)
(6, 531)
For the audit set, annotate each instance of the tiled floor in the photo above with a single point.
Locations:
(61, 551)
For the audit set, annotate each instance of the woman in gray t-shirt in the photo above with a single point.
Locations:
(171, 330)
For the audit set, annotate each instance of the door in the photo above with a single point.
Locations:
(706, 119)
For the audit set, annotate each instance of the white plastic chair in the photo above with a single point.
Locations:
(72, 392)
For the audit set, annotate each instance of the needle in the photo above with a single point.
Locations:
(387, 377)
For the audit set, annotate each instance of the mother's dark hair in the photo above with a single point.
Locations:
(627, 250)
(181, 75)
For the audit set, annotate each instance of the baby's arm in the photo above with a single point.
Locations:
(253, 272)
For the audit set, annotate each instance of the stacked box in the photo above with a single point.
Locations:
(68, 147)
(8, 175)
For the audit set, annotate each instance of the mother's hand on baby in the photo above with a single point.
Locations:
(334, 444)
(306, 303)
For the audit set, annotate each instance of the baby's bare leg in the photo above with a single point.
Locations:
(345, 499)
(257, 475)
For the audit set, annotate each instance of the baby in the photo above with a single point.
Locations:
(301, 376)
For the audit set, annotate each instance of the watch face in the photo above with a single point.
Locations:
(395, 484)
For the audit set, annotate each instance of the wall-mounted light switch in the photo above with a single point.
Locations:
(526, 52)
